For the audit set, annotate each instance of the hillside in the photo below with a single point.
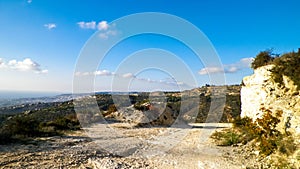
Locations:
(42, 119)
(49, 135)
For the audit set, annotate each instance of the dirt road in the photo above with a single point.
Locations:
(120, 145)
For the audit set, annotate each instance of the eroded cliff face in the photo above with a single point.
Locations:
(260, 91)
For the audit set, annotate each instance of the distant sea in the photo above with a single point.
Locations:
(5, 95)
(14, 98)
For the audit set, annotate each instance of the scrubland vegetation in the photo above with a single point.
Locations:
(262, 135)
(286, 64)
(55, 118)
(49, 121)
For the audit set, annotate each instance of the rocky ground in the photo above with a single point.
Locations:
(120, 145)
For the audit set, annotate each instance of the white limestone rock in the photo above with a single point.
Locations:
(261, 91)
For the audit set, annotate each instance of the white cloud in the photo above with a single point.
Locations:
(25, 65)
(77, 73)
(83, 74)
(2, 64)
(44, 71)
(103, 36)
(128, 75)
(168, 81)
(50, 26)
(106, 30)
(232, 69)
(241, 64)
(210, 70)
(96, 73)
(146, 80)
(246, 62)
(107, 34)
(87, 25)
(103, 25)
(228, 68)
(103, 73)
(29, 1)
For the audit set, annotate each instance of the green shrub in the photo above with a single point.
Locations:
(19, 128)
(5, 137)
(262, 59)
(23, 127)
(263, 131)
(247, 129)
(286, 64)
(68, 122)
(139, 105)
(227, 137)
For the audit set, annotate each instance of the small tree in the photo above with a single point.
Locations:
(262, 59)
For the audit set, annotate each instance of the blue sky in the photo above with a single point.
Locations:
(40, 40)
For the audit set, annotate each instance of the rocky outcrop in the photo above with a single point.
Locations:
(260, 91)
(155, 116)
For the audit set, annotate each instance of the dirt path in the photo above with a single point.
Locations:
(121, 146)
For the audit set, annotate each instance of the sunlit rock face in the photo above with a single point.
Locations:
(260, 91)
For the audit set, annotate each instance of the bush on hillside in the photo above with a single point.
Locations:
(262, 59)
(263, 131)
(286, 64)
(23, 127)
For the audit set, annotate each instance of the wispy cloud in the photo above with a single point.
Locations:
(107, 34)
(228, 68)
(25, 65)
(103, 73)
(210, 70)
(29, 1)
(128, 75)
(103, 25)
(87, 25)
(50, 26)
(167, 81)
(106, 30)
(2, 64)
